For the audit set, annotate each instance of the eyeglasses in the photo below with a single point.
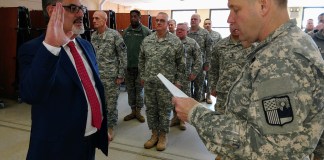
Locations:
(74, 8)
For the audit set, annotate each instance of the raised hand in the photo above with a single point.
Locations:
(55, 35)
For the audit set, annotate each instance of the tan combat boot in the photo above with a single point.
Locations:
(131, 116)
(111, 132)
(208, 99)
(163, 141)
(151, 142)
(182, 125)
(138, 115)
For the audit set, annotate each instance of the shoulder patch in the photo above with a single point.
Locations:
(122, 46)
(278, 110)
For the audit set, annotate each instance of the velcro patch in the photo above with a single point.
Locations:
(122, 46)
(278, 110)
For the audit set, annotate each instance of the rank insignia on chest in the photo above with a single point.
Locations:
(278, 110)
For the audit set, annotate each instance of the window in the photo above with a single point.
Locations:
(311, 13)
(181, 16)
(219, 20)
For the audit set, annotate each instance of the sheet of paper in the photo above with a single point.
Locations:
(176, 92)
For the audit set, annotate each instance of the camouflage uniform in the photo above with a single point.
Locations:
(133, 39)
(215, 36)
(193, 61)
(228, 59)
(275, 108)
(319, 150)
(204, 40)
(111, 57)
(163, 56)
(318, 37)
(319, 40)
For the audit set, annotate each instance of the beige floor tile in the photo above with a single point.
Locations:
(128, 143)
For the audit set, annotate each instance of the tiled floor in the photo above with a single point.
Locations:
(128, 143)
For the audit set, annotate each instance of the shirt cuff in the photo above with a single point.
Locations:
(191, 111)
(54, 50)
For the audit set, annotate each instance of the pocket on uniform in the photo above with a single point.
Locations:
(228, 138)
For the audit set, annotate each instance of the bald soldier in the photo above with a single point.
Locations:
(203, 38)
(111, 56)
(274, 109)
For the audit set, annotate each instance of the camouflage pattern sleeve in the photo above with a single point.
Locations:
(215, 36)
(209, 45)
(249, 127)
(141, 60)
(219, 133)
(214, 67)
(197, 59)
(180, 61)
(319, 151)
(121, 54)
(274, 109)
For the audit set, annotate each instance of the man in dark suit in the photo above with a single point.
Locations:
(68, 108)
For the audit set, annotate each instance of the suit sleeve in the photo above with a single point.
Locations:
(37, 69)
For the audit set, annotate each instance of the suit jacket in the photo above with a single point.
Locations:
(59, 107)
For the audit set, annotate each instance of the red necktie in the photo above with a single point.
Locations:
(88, 87)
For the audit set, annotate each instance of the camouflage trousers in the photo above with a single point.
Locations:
(158, 106)
(198, 85)
(186, 88)
(134, 88)
(207, 85)
(319, 150)
(220, 102)
(111, 96)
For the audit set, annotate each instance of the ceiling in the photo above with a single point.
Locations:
(199, 4)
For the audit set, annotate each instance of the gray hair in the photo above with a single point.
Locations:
(172, 20)
(163, 13)
(184, 24)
